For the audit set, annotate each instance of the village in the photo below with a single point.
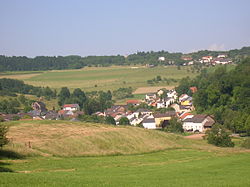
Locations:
(153, 112)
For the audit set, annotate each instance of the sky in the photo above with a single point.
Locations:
(111, 27)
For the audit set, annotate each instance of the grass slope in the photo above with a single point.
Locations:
(62, 138)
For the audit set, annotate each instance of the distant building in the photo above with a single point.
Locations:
(161, 59)
(198, 123)
(71, 107)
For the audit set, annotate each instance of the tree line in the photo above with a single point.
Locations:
(42, 63)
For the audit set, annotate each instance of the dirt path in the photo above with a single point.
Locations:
(195, 136)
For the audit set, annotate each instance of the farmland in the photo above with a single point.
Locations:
(171, 161)
(101, 78)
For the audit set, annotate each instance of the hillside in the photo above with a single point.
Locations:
(62, 138)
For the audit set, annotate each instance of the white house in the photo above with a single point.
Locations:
(71, 107)
(162, 58)
(222, 56)
(149, 123)
(198, 123)
(150, 96)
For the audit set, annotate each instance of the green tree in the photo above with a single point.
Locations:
(219, 136)
(110, 120)
(174, 126)
(3, 138)
(63, 95)
(124, 121)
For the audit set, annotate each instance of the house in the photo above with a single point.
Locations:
(222, 61)
(173, 94)
(51, 115)
(71, 107)
(187, 101)
(151, 96)
(186, 58)
(183, 97)
(193, 89)
(115, 110)
(149, 123)
(206, 59)
(222, 56)
(39, 108)
(165, 102)
(133, 102)
(66, 114)
(198, 123)
(161, 58)
(142, 111)
(160, 92)
(163, 118)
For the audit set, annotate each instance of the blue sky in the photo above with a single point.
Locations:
(106, 27)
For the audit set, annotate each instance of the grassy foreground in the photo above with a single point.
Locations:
(155, 158)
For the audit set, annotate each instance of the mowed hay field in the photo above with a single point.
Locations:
(60, 156)
(62, 138)
(102, 78)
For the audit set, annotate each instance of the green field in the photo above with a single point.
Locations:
(170, 160)
(101, 78)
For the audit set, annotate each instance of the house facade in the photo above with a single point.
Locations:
(71, 107)
(198, 123)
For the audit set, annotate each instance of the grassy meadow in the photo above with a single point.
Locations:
(84, 154)
(101, 78)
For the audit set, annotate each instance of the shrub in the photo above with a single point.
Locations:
(246, 143)
(3, 138)
(219, 136)
(174, 126)
(124, 121)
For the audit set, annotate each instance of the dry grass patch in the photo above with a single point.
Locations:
(64, 138)
(142, 90)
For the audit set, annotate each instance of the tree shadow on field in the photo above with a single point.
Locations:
(9, 155)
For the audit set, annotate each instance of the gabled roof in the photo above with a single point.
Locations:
(182, 116)
(71, 105)
(162, 115)
(149, 120)
(143, 110)
(199, 118)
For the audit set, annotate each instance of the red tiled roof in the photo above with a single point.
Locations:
(185, 115)
(70, 105)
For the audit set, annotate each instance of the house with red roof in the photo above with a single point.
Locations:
(71, 107)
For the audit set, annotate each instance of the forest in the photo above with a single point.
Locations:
(42, 63)
(225, 94)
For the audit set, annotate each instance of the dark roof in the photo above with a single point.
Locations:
(167, 114)
(149, 120)
(143, 110)
(199, 118)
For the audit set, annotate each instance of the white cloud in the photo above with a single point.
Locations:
(216, 47)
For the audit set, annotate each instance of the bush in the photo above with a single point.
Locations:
(124, 121)
(110, 120)
(174, 126)
(219, 137)
(3, 138)
(246, 143)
